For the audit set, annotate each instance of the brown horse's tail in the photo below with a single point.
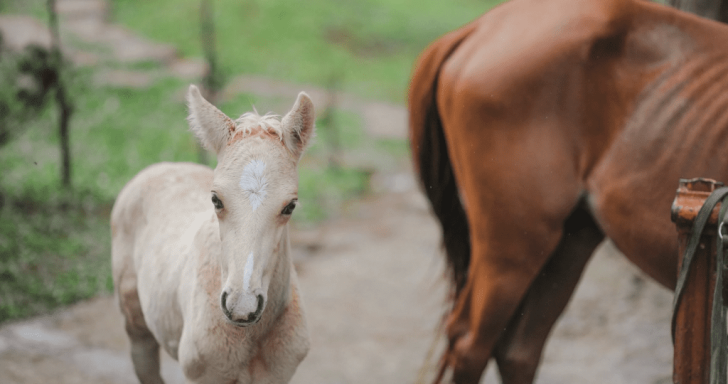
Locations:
(432, 161)
(431, 158)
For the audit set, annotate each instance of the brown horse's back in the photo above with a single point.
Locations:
(539, 109)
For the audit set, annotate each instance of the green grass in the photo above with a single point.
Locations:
(52, 253)
(36, 8)
(370, 45)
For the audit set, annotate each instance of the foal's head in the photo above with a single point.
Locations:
(254, 192)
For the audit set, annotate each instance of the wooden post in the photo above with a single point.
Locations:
(691, 363)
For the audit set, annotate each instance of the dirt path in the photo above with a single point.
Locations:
(373, 293)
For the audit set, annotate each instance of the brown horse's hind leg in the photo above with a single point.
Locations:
(518, 351)
(508, 255)
(491, 296)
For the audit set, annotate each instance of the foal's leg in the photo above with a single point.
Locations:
(518, 351)
(145, 356)
(144, 347)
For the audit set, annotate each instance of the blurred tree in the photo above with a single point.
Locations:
(65, 108)
(711, 9)
(8, 105)
(213, 80)
(327, 122)
(26, 78)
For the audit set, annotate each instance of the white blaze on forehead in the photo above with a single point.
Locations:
(254, 183)
(247, 272)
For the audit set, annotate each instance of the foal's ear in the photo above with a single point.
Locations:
(212, 127)
(298, 125)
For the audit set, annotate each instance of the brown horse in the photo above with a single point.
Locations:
(544, 126)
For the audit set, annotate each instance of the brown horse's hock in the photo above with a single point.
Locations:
(544, 126)
(699, 324)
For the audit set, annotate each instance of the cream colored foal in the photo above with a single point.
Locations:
(201, 260)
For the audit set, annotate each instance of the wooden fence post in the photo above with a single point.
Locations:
(692, 319)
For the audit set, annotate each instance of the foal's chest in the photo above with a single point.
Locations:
(228, 354)
(223, 360)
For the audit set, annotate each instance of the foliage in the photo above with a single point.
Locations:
(26, 79)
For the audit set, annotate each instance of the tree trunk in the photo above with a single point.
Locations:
(711, 9)
(64, 119)
(65, 109)
(211, 81)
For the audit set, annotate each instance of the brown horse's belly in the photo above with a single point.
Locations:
(676, 130)
(637, 219)
(631, 192)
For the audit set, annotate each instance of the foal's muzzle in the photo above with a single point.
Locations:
(251, 318)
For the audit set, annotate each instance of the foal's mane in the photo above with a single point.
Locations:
(251, 123)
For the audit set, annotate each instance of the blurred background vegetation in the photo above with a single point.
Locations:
(55, 240)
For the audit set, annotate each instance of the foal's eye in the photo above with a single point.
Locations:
(216, 202)
(289, 208)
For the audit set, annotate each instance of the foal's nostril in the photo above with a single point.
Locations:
(260, 305)
(223, 299)
(255, 315)
(252, 317)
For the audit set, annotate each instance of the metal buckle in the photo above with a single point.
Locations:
(723, 236)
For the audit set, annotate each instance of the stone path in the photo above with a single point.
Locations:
(20, 31)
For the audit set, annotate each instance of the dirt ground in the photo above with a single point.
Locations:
(373, 292)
